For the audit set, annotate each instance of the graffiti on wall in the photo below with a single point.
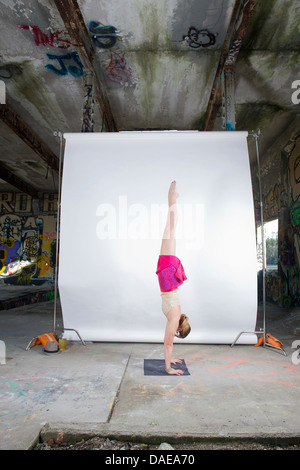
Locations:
(88, 105)
(68, 63)
(294, 173)
(289, 235)
(272, 202)
(27, 242)
(7, 71)
(196, 38)
(27, 251)
(106, 40)
(273, 287)
(289, 266)
(113, 56)
(233, 52)
(294, 170)
(53, 39)
(103, 36)
(284, 287)
(21, 202)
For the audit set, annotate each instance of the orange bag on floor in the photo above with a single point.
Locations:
(43, 339)
(269, 339)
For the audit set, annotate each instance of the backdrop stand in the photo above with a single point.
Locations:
(60, 135)
(262, 331)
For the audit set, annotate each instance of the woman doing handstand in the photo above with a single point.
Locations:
(170, 276)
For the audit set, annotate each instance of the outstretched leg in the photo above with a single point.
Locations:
(168, 244)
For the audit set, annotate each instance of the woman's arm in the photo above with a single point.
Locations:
(171, 328)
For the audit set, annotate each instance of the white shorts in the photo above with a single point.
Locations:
(169, 300)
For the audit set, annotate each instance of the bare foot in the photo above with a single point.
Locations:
(173, 194)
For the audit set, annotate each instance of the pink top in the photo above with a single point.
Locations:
(170, 273)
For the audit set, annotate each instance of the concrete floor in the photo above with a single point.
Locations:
(100, 388)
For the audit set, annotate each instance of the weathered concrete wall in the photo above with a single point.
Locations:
(289, 224)
(27, 238)
(280, 171)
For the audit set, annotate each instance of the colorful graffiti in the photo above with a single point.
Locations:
(283, 202)
(233, 52)
(289, 233)
(53, 39)
(117, 68)
(57, 39)
(103, 36)
(289, 267)
(113, 56)
(74, 70)
(294, 170)
(27, 243)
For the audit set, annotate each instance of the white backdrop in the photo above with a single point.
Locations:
(113, 209)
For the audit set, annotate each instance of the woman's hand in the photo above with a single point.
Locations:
(176, 361)
(171, 371)
(175, 371)
(171, 327)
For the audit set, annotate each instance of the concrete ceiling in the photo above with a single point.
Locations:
(153, 64)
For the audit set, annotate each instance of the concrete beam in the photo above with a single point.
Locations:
(229, 99)
(17, 182)
(241, 14)
(74, 22)
(28, 135)
(88, 105)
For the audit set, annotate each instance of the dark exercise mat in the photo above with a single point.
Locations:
(157, 367)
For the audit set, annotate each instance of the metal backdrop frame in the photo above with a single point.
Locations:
(262, 331)
(60, 135)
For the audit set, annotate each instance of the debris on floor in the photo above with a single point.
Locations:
(102, 443)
